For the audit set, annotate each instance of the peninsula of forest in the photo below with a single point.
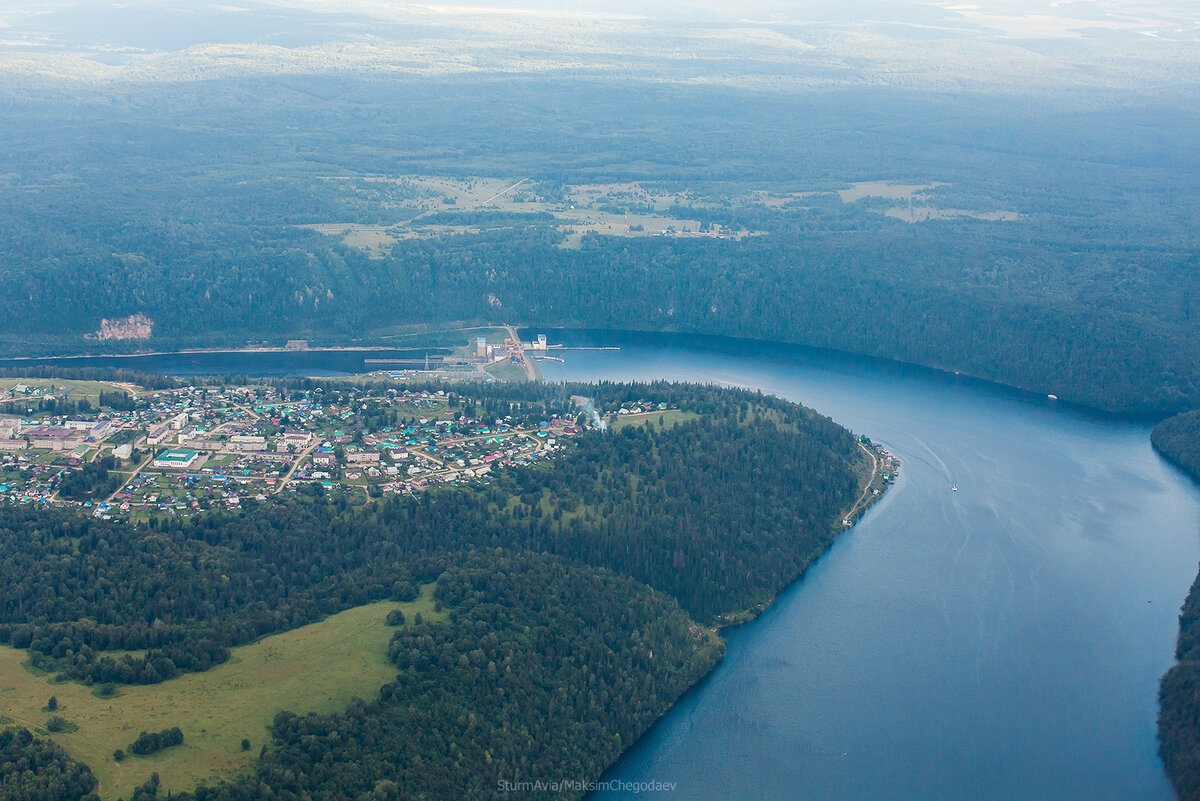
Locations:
(350, 589)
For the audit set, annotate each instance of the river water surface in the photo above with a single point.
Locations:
(1001, 641)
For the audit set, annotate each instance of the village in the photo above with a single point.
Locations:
(186, 450)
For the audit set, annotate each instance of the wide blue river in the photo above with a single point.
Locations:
(1001, 641)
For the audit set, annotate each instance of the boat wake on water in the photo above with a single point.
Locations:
(940, 466)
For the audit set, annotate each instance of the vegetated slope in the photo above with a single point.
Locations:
(716, 513)
(545, 671)
(1178, 439)
(1089, 294)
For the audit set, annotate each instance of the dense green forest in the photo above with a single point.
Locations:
(173, 212)
(572, 587)
(1178, 439)
(31, 768)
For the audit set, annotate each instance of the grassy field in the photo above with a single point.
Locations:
(75, 389)
(507, 371)
(317, 668)
(670, 417)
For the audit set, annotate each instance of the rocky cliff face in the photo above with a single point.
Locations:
(135, 326)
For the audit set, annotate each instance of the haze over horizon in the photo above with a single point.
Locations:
(1005, 47)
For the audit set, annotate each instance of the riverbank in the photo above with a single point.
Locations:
(1178, 441)
(746, 346)
(873, 485)
(432, 339)
(715, 343)
(231, 351)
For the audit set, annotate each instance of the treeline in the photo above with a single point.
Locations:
(39, 770)
(488, 219)
(115, 374)
(1178, 439)
(48, 404)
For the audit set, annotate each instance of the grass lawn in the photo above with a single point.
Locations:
(669, 417)
(316, 668)
(507, 371)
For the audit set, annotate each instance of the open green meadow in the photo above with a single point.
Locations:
(668, 417)
(507, 371)
(75, 389)
(316, 668)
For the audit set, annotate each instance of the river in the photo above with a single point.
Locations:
(1001, 641)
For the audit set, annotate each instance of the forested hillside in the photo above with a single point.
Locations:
(544, 670)
(568, 654)
(1082, 290)
(1178, 439)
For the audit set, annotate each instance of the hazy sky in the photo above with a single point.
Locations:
(951, 43)
(1024, 17)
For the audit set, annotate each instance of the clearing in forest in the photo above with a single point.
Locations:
(315, 668)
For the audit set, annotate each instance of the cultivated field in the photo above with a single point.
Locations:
(619, 209)
(884, 189)
(631, 209)
(317, 668)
